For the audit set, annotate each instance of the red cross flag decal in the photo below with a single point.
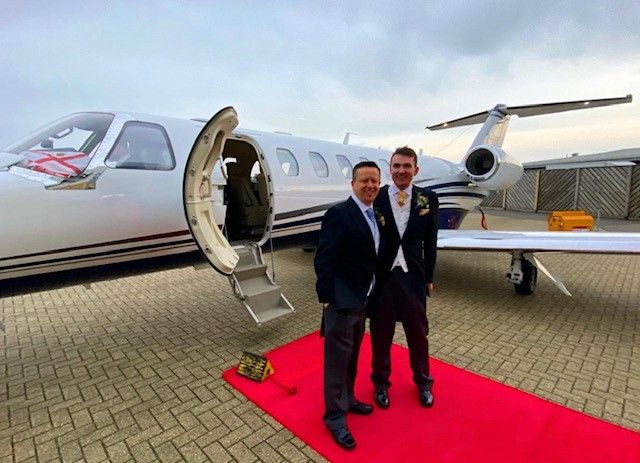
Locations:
(63, 164)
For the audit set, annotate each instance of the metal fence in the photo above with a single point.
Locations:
(522, 195)
(557, 190)
(634, 193)
(495, 199)
(612, 192)
(604, 191)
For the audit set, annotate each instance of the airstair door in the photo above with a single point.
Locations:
(255, 288)
(197, 191)
(243, 264)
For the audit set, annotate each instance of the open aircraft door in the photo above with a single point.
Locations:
(243, 263)
(197, 191)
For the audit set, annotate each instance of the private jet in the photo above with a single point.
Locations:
(98, 188)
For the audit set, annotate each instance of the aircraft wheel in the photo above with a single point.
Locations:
(529, 279)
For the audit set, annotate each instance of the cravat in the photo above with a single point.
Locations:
(401, 197)
(372, 226)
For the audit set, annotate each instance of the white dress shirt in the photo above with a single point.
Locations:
(401, 217)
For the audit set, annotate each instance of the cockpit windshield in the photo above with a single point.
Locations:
(64, 147)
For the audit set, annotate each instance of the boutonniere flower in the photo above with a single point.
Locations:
(422, 204)
(379, 217)
(422, 201)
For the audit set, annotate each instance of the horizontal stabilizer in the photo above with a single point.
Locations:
(531, 110)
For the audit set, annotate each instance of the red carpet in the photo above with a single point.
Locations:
(474, 419)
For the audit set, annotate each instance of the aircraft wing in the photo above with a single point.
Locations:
(573, 242)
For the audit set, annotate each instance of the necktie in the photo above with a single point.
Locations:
(401, 197)
(372, 226)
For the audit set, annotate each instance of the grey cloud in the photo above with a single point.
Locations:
(377, 48)
(336, 65)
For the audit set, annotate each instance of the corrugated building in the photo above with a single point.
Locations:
(602, 184)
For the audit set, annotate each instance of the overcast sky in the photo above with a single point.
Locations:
(383, 70)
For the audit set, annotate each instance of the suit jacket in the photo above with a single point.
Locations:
(419, 242)
(346, 257)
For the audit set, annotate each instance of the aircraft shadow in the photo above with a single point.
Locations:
(86, 276)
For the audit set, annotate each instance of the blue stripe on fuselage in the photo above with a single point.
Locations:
(448, 219)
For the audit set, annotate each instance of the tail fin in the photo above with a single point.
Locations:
(497, 119)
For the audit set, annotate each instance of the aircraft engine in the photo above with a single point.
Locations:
(490, 167)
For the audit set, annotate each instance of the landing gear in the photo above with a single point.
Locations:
(529, 279)
(523, 274)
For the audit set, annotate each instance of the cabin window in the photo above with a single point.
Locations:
(287, 162)
(345, 165)
(225, 162)
(319, 164)
(142, 145)
(255, 171)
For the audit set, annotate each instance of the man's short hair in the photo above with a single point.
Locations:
(406, 151)
(362, 164)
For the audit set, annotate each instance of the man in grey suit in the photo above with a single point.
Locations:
(345, 265)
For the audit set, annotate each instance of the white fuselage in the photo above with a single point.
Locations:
(135, 213)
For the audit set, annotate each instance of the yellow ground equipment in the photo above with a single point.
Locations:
(255, 367)
(570, 221)
(258, 368)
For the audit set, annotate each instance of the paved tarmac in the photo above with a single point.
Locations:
(129, 369)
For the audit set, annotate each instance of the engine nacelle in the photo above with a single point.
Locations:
(490, 167)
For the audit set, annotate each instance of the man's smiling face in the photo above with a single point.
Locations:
(366, 184)
(403, 170)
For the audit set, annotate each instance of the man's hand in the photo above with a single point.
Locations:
(429, 289)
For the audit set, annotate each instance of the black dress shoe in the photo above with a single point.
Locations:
(360, 408)
(426, 398)
(381, 397)
(343, 438)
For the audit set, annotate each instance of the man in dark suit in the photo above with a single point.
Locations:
(345, 265)
(409, 255)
